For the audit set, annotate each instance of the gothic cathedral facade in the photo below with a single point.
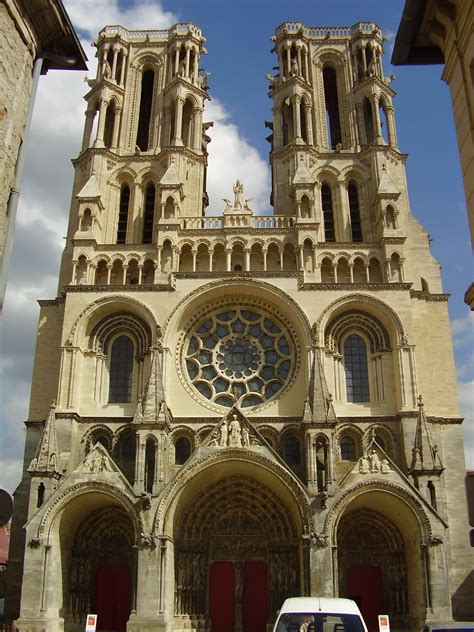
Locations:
(231, 409)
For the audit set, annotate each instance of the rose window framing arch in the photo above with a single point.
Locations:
(241, 353)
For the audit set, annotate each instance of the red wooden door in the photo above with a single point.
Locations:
(365, 586)
(222, 596)
(255, 606)
(113, 597)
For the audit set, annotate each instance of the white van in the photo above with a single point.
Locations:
(319, 614)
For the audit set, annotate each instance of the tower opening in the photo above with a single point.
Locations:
(144, 117)
(331, 101)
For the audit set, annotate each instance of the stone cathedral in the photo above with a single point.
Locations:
(228, 408)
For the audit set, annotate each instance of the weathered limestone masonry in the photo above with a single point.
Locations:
(230, 408)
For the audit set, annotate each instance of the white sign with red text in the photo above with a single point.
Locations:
(384, 623)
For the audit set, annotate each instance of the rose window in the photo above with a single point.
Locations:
(239, 356)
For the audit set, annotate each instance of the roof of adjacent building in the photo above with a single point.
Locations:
(55, 34)
(412, 44)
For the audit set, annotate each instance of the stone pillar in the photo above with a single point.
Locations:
(277, 127)
(188, 57)
(194, 254)
(117, 115)
(122, 69)
(264, 253)
(361, 124)
(196, 65)
(309, 123)
(392, 134)
(74, 268)
(228, 253)
(86, 138)
(99, 141)
(296, 101)
(178, 121)
(247, 259)
(114, 65)
(197, 116)
(378, 129)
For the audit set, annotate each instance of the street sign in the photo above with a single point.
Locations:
(91, 623)
(384, 624)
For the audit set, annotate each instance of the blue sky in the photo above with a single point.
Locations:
(238, 41)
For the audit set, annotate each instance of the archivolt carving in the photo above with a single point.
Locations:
(188, 472)
(117, 322)
(70, 493)
(337, 510)
(319, 325)
(283, 298)
(337, 328)
(116, 298)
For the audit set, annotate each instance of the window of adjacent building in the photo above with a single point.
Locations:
(348, 449)
(144, 117)
(356, 369)
(354, 209)
(149, 214)
(328, 214)
(121, 370)
(123, 214)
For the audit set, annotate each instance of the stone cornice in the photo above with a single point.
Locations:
(49, 302)
(353, 286)
(119, 288)
(428, 296)
(236, 276)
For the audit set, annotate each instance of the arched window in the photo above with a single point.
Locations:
(86, 221)
(182, 450)
(144, 117)
(354, 212)
(109, 125)
(368, 121)
(328, 214)
(331, 101)
(432, 493)
(149, 214)
(123, 214)
(291, 450)
(121, 370)
(127, 449)
(348, 449)
(322, 463)
(150, 451)
(356, 369)
(40, 495)
(305, 206)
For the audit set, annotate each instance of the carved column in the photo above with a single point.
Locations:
(361, 124)
(122, 69)
(99, 141)
(277, 131)
(178, 121)
(309, 123)
(228, 253)
(378, 128)
(86, 138)
(392, 134)
(296, 101)
(115, 135)
(194, 254)
(114, 64)
(188, 57)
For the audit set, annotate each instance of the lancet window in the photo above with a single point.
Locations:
(121, 370)
(354, 208)
(328, 213)
(146, 103)
(149, 214)
(331, 100)
(356, 369)
(123, 214)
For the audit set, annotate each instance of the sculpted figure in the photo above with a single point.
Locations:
(245, 436)
(384, 466)
(364, 465)
(235, 439)
(294, 68)
(224, 435)
(374, 461)
(238, 195)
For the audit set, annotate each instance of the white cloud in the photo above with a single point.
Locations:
(90, 16)
(231, 157)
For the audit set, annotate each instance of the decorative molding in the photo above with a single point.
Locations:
(428, 296)
(353, 286)
(118, 288)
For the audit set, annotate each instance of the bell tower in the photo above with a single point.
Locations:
(333, 113)
(143, 154)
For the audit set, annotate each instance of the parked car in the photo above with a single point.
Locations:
(319, 614)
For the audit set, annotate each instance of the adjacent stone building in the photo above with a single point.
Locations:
(228, 409)
(34, 34)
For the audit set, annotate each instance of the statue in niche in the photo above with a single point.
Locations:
(374, 461)
(239, 195)
(235, 439)
(384, 466)
(364, 464)
(294, 68)
(224, 435)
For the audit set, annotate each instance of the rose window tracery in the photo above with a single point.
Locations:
(239, 355)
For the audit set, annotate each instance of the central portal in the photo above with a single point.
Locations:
(238, 596)
(236, 556)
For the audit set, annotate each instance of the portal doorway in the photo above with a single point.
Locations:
(112, 597)
(365, 587)
(238, 596)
